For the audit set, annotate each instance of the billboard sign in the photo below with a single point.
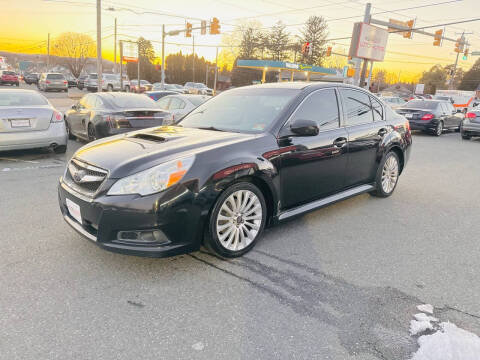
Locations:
(419, 89)
(130, 51)
(368, 42)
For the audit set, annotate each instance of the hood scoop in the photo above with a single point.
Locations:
(149, 137)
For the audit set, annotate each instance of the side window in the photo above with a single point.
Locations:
(163, 103)
(182, 104)
(357, 106)
(175, 104)
(320, 106)
(443, 108)
(377, 110)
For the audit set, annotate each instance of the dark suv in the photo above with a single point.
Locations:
(247, 158)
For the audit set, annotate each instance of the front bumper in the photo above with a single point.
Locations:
(55, 134)
(173, 212)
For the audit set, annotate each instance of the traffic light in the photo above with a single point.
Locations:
(306, 48)
(408, 34)
(459, 45)
(465, 54)
(438, 38)
(329, 51)
(214, 26)
(203, 26)
(188, 33)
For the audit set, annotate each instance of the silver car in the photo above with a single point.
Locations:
(52, 81)
(180, 105)
(28, 120)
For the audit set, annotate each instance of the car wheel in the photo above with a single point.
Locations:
(109, 88)
(60, 149)
(127, 88)
(387, 175)
(69, 130)
(92, 134)
(439, 128)
(17, 84)
(466, 137)
(236, 221)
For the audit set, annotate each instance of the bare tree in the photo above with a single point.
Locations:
(278, 41)
(315, 32)
(76, 48)
(249, 42)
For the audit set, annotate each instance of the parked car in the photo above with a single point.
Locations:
(180, 105)
(52, 81)
(394, 101)
(28, 120)
(168, 87)
(190, 87)
(248, 158)
(470, 125)
(111, 82)
(444, 98)
(81, 81)
(144, 86)
(91, 82)
(8, 77)
(31, 78)
(156, 95)
(181, 88)
(432, 116)
(71, 80)
(104, 114)
(202, 89)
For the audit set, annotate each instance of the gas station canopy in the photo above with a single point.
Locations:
(271, 65)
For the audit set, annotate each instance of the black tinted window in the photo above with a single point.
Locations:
(322, 107)
(133, 101)
(422, 104)
(357, 106)
(377, 110)
(55, 77)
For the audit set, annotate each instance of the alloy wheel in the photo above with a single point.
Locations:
(239, 220)
(389, 174)
(439, 128)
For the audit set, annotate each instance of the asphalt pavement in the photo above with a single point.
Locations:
(338, 283)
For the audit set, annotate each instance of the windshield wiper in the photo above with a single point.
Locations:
(213, 128)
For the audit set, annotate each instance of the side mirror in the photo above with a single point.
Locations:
(302, 127)
(74, 107)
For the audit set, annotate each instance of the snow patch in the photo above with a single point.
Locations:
(417, 327)
(449, 343)
(424, 317)
(426, 308)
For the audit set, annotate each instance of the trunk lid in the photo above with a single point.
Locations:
(26, 118)
(139, 118)
(413, 113)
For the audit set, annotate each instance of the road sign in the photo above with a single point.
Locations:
(368, 42)
(130, 51)
(419, 89)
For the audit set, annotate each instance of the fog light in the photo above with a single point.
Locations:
(156, 237)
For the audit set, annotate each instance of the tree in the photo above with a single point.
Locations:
(147, 67)
(75, 48)
(315, 32)
(435, 78)
(277, 41)
(471, 79)
(249, 42)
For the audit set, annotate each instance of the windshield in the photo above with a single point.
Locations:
(421, 104)
(9, 73)
(21, 99)
(133, 101)
(249, 110)
(93, 76)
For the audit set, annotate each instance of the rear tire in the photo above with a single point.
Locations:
(387, 175)
(69, 130)
(439, 129)
(109, 88)
(92, 134)
(236, 221)
(466, 137)
(127, 89)
(61, 149)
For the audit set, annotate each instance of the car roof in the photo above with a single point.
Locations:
(300, 85)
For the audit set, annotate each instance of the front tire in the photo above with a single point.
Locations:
(466, 137)
(60, 149)
(236, 221)
(439, 129)
(92, 134)
(387, 175)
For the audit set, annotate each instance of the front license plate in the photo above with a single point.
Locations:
(409, 116)
(20, 123)
(74, 210)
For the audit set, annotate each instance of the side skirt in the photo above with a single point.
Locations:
(325, 201)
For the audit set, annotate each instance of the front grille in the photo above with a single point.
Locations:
(84, 177)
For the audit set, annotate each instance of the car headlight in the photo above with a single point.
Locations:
(153, 180)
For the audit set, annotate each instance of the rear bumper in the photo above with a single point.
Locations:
(56, 86)
(423, 125)
(55, 134)
(471, 129)
(9, 81)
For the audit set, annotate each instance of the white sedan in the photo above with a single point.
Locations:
(180, 105)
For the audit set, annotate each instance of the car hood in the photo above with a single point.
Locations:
(129, 153)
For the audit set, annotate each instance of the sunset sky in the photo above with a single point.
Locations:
(26, 23)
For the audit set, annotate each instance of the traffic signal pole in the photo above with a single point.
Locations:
(366, 20)
(163, 56)
(452, 79)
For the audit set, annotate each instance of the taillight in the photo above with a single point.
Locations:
(117, 121)
(47, 82)
(65, 82)
(407, 125)
(428, 116)
(470, 115)
(56, 117)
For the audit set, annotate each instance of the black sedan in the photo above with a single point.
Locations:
(248, 158)
(105, 114)
(433, 116)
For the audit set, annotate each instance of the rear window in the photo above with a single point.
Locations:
(133, 101)
(198, 100)
(55, 77)
(93, 76)
(420, 104)
(21, 99)
(110, 77)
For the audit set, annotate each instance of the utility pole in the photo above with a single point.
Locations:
(99, 46)
(451, 84)
(206, 74)
(366, 20)
(163, 56)
(115, 49)
(216, 73)
(121, 63)
(193, 42)
(48, 52)
(138, 67)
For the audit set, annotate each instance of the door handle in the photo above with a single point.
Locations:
(339, 142)
(382, 131)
